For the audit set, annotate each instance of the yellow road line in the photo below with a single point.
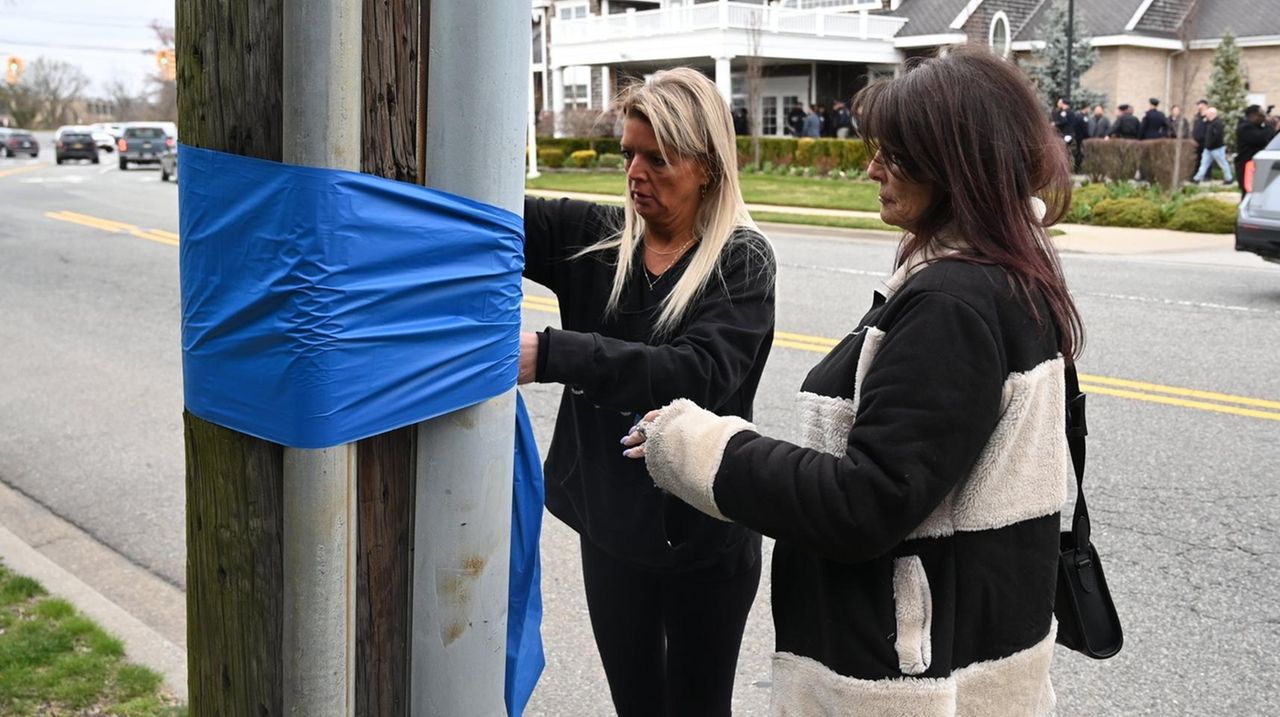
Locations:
(108, 225)
(1102, 385)
(20, 170)
(1170, 401)
(1174, 390)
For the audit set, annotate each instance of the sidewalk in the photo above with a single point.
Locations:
(1078, 238)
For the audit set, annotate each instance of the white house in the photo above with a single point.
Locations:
(820, 51)
(811, 50)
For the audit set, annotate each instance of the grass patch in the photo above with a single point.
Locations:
(756, 189)
(818, 220)
(54, 661)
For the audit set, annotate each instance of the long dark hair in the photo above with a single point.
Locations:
(970, 125)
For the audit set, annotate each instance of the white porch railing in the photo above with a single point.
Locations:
(727, 16)
(832, 5)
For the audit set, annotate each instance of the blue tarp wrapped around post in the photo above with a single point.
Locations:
(320, 307)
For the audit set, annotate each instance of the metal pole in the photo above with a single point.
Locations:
(476, 131)
(1071, 28)
(322, 101)
(532, 146)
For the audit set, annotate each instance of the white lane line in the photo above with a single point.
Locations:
(836, 270)
(1180, 302)
(1100, 295)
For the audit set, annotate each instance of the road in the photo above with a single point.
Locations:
(1183, 455)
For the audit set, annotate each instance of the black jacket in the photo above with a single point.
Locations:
(1099, 126)
(1126, 127)
(917, 522)
(1154, 125)
(1215, 134)
(1250, 139)
(614, 373)
(1198, 130)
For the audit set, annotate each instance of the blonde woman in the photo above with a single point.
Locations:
(670, 295)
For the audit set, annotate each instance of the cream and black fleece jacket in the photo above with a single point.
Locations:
(917, 522)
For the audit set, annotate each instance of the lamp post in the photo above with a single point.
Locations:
(1071, 26)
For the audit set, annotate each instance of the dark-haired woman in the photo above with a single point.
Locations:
(917, 522)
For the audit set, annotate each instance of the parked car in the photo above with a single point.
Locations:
(105, 135)
(75, 144)
(143, 143)
(169, 165)
(1258, 219)
(18, 141)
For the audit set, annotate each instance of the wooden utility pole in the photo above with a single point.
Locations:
(230, 72)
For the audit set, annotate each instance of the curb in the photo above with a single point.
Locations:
(144, 644)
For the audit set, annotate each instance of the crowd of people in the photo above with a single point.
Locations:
(1206, 128)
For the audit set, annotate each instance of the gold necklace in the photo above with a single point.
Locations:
(668, 252)
(658, 277)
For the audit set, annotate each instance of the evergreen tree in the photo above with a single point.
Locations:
(1049, 65)
(1226, 86)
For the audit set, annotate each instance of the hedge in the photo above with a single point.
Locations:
(583, 158)
(551, 157)
(1121, 159)
(1204, 215)
(824, 155)
(1135, 212)
(569, 145)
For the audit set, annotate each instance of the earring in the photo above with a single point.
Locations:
(704, 192)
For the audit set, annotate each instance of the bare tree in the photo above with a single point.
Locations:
(755, 74)
(163, 85)
(20, 102)
(55, 85)
(125, 103)
(1190, 68)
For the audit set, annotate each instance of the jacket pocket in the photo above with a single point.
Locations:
(913, 610)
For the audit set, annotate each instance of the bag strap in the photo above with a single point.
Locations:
(1077, 429)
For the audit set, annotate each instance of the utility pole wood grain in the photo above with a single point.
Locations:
(229, 51)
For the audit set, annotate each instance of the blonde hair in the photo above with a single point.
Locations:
(690, 120)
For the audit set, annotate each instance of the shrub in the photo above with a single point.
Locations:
(569, 145)
(583, 158)
(610, 161)
(1204, 215)
(1158, 160)
(1134, 212)
(1117, 159)
(552, 158)
(1082, 201)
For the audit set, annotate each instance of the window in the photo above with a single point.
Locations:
(769, 116)
(998, 36)
(572, 11)
(577, 84)
(537, 43)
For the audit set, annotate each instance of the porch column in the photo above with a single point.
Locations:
(724, 78)
(557, 99)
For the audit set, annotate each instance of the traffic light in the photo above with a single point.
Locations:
(165, 62)
(13, 69)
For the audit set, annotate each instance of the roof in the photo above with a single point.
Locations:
(1096, 17)
(928, 17)
(1251, 18)
(1165, 18)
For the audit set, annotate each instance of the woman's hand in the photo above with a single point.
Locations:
(528, 358)
(635, 440)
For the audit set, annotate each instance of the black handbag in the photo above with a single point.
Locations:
(1087, 618)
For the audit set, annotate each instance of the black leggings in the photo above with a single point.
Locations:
(669, 641)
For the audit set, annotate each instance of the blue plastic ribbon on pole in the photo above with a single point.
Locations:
(322, 306)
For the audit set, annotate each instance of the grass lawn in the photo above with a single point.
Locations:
(54, 661)
(756, 189)
(817, 220)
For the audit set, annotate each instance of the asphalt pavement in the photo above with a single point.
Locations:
(1184, 411)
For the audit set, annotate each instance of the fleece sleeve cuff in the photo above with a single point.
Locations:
(683, 448)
